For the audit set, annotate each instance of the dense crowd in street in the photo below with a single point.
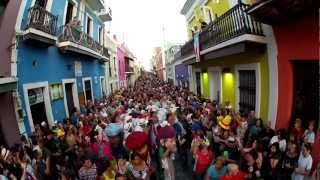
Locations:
(141, 132)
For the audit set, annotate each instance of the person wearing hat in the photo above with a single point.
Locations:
(167, 148)
(225, 122)
(138, 142)
(114, 131)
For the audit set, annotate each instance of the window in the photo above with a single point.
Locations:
(109, 69)
(41, 3)
(208, 15)
(100, 35)
(3, 5)
(87, 88)
(89, 26)
(114, 65)
(69, 14)
(247, 90)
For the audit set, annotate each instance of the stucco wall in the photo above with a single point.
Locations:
(291, 47)
(7, 33)
(8, 121)
(229, 80)
(37, 64)
(216, 8)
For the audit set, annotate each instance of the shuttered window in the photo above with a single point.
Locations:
(247, 90)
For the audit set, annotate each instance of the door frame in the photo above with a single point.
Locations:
(219, 70)
(46, 98)
(256, 68)
(84, 90)
(74, 11)
(195, 80)
(74, 94)
(48, 5)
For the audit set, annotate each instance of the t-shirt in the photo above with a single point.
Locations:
(239, 176)
(309, 136)
(88, 174)
(282, 143)
(214, 174)
(304, 163)
(202, 161)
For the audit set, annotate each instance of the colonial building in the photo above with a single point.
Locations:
(251, 56)
(60, 57)
(126, 62)
(11, 114)
(293, 49)
(158, 62)
(233, 65)
(112, 65)
(170, 63)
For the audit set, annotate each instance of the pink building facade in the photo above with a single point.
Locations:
(121, 66)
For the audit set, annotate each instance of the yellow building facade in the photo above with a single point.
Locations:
(235, 68)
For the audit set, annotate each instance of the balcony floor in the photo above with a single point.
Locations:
(35, 34)
(70, 46)
(226, 46)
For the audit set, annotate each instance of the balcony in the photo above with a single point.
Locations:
(277, 12)
(235, 28)
(41, 26)
(72, 39)
(105, 54)
(105, 15)
(96, 5)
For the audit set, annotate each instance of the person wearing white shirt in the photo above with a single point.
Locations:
(309, 135)
(279, 138)
(304, 164)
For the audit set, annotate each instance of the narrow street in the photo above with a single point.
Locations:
(159, 90)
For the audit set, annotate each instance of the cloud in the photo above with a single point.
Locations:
(140, 24)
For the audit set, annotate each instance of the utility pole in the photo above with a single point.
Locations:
(163, 53)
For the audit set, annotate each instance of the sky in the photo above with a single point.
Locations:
(146, 24)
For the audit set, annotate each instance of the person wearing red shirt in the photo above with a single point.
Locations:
(297, 130)
(234, 173)
(203, 158)
(86, 129)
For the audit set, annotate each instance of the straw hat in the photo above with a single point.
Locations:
(225, 122)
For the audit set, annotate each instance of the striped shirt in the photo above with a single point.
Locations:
(88, 174)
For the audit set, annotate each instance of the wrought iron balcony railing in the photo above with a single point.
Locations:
(72, 34)
(234, 23)
(42, 20)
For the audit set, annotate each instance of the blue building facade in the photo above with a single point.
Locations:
(61, 58)
(182, 75)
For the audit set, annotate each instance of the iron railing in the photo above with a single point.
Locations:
(42, 20)
(73, 34)
(235, 22)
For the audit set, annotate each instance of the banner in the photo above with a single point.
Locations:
(196, 46)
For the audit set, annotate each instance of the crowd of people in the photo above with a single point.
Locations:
(143, 132)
